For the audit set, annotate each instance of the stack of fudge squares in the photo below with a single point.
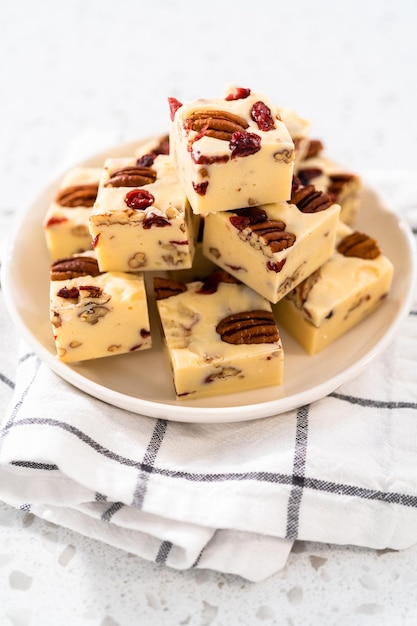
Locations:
(244, 226)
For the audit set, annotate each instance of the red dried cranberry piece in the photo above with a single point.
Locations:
(56, 220)
(239, 221)
(261, 114)
(66, 292)
(212, 282)
(276, 266)
(139, 199)
(174, 105)
(200, 188)
(155, 220)
(308, 173)
(94, 242)
(94, 290)
(255, 214)
(238, 93)
(146, 160)
(244, 144)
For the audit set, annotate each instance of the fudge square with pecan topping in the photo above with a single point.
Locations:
(66, 222)
(96, 314)
(220, 335)
(273, 247)
(326, 175)
(337, 296)
(231, 152)
(141, 219)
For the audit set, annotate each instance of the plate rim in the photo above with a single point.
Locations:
(182, 412)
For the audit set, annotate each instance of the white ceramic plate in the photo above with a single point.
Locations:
(141, 382)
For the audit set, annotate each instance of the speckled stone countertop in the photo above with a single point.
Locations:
(98, 73)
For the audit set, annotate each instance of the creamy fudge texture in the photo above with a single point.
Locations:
(329, 176)
(231, 152)
(66, 222)
(341, 293)
(155, 146)
(141, 219)
(221, 337)
(299, 129)
(96, 314)
(273, 247)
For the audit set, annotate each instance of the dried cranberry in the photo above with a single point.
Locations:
(144, 332)
(276, 266)
(308, 173)
(202, 159)
(139, 199)
(239, 221)
(146, 160)
(72, 292)
(238, 93)
(200, 188)
(94, 242)
(212, 282)
(255, 214)
(163, 147)
(56, 220)
(93, 290)
(174, 105)
(261, 114)
(244, 144)
(155, 220)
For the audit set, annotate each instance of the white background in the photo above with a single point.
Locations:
(83, 74)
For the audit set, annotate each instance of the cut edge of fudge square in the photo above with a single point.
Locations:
(273, 247)
(96, 314)
(231, 152)
(349, 287)
(66, 221)
(142, 220)
(220, 336)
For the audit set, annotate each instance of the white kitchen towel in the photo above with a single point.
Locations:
(231, 497)
(227, 496)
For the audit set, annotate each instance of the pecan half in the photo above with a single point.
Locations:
(132, 176)
(71, 267)
(338, 181)
(167, 287)
(77, 195)
(315, 146)
(309, 200)
(273, 234)
(217, 124)
(92, 313)
(302, 290)
(359, 245)
(248, 327)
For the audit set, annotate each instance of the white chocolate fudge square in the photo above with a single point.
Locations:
(221, 337)
(66, 222)
(299, 129)
(96, 314)
(141, 220)
(273, 247)
(155, 146)
(337, 296)
(328, 176)
(231, 152)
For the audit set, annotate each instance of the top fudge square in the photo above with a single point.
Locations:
(231, 153)
(141, 220)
